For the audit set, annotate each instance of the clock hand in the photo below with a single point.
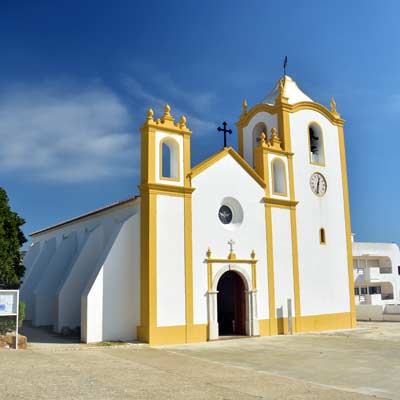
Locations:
(318, 185)
(223, 214)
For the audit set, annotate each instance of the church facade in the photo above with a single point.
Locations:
(254, 242)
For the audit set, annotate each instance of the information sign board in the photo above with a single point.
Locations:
(9, 300)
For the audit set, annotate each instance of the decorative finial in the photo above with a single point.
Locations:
(281, 87)
(263, 138)
(182, 122)
(244, 106)
(333, 107)
(253, 254)
(275, 140)
(167, 118)
(150, 114)
(209, 253)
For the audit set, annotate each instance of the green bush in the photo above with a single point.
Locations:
(7, 324)
(21, 315)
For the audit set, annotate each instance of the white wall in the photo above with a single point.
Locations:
(71, 267)
(283, 261)
(68, 297)
(30, 258)
(110, 303)
(323, 269)
(170, 261)
(45, 291)
(227, 178)
(38, 270)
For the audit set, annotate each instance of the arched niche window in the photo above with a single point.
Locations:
(278, 177)
(169, 159)
(316, 144)
(322, 236)
(257, 130)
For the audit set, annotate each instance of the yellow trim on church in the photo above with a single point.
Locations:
(199, 168)
(148, 331)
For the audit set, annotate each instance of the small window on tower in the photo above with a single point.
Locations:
(169, 159)
(322, 238)
(257, 131)
(278, 177)
(316, 143)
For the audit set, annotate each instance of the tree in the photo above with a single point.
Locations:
(11, 240)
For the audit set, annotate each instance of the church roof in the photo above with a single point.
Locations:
(89, 214)
(291, 91)
(221, 154)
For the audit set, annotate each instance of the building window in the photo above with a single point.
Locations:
(398, 269)
(364, 290)
(356, 291)
(322, 236)
(169, 159)
(316, 144)
(278, 177)
(374, 290)
(257, 131)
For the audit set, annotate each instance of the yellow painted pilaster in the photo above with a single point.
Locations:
(188, 266)
(285, 132)
(348, 225)
(148, 278)
(209, 269)
(271, 275)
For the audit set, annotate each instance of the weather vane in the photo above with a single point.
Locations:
(225, 131)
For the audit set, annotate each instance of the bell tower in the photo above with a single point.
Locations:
(296, 146)
(166, 231)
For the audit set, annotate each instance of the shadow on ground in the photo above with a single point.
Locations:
(45, 335)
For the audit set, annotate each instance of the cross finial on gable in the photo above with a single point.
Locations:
(232, 255)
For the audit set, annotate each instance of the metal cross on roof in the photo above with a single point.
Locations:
(284, 66)
(225, 131)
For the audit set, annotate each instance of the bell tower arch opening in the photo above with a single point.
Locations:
(231, 304)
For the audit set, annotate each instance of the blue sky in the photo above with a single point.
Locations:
(77, 77)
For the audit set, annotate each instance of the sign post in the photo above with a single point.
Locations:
(9, 306)
(290, 316)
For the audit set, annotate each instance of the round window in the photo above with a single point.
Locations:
(230, 213)
(225, 214)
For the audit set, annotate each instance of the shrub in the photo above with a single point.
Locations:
(7, 324)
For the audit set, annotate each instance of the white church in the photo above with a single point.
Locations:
(248, 243)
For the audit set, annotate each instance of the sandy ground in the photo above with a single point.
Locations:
(359, 364)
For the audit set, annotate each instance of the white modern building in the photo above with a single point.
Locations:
(376, 273)
(254, 242)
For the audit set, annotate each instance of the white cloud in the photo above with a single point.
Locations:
(195, 106)
(61, 133)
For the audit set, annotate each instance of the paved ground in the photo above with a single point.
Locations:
(359, 364)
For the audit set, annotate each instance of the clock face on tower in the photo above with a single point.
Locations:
(318, 184)
(225, 215)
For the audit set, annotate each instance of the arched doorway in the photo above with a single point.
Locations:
(231, 304)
